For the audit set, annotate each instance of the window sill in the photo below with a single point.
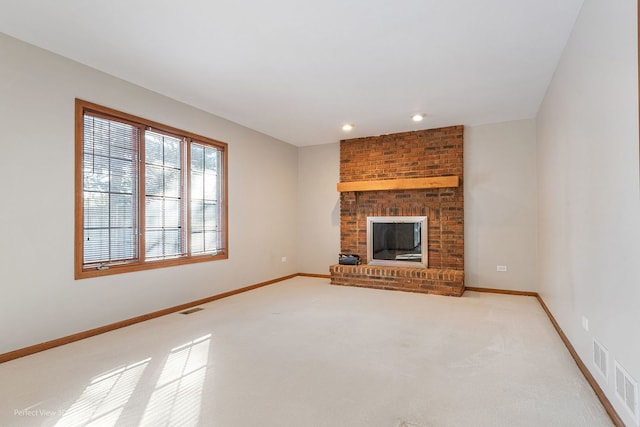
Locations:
(149, 265)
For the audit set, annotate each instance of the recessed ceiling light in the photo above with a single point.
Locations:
(348, 126)
(418, 117)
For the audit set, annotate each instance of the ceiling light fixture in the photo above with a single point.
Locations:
(348, 126)
(418, 117)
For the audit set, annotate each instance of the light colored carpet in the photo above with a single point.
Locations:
(304, 353)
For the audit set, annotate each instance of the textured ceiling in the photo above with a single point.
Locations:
(297, 70)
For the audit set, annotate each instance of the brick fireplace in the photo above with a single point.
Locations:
(404, 174)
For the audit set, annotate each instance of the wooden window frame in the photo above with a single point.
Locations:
(82, 272)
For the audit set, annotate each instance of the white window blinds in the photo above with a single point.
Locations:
(205, 181)
(110, 191)
(164, 207)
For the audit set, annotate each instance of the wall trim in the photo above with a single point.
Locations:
(608, 407)
(502, 291)
(319, 276)
(36, 348)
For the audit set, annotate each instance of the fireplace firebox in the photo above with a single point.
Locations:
(397, 241)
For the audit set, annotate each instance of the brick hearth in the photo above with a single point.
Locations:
(424, 280)
(419, 154)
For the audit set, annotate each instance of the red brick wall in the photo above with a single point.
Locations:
(419, 154)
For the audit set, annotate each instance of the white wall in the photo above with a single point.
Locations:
(589, 195)
(40, 298)
(318, 208)
(500, 205)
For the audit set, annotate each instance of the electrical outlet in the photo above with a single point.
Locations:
(284, 259)
(585, 323)
(501, 268)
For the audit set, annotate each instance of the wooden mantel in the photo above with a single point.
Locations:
(400, 184)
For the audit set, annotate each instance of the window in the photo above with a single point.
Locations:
(147, 195)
